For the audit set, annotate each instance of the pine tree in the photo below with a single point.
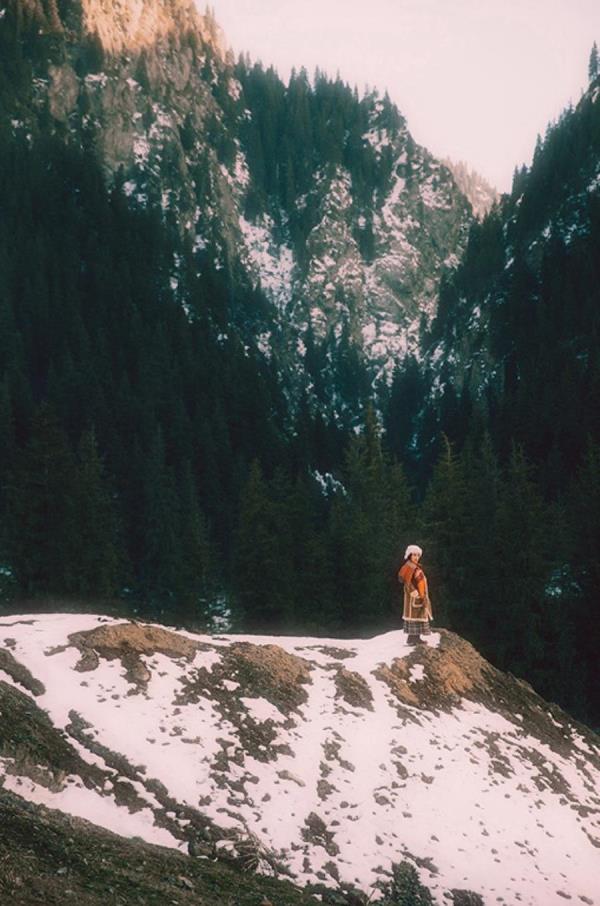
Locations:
(261, 575)
(443, 527)
(94, 560)
(583, 522)
(368, 525)
(405, 889)
(523, 567)
(593, 65)
(160, 555)
(40, 508)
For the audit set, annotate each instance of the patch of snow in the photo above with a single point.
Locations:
(141, 150)
(270, 262)
(417, 673)
(96, 78)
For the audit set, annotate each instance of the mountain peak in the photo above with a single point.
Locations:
(125, 25)
(130, 25)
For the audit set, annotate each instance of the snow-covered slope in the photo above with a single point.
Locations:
(329, 759)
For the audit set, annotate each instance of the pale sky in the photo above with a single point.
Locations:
(476, 79)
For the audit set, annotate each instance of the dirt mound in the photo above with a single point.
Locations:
(135, 637)
(269, 672)
(127, 642)
(449, 672)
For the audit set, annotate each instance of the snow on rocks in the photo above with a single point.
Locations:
(339, 756)
(270, 262)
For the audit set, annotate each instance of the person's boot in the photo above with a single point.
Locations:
(413, 639)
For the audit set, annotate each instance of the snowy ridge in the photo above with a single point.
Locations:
(339, 757)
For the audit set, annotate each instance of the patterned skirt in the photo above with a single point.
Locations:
(417, 627)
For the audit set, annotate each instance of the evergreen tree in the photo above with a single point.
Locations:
(368, 525)
(94, 560)
(523, 564)
(405, 889)
(593, 63)
(160, 555)
(199, 573)
(40, 508)
(444, 532)
(262, 576)
(582, 599)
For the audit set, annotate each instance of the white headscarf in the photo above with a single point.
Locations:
(413, 549)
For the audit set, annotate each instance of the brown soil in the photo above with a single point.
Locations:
(269, 672)
(127, 642)
(256, 738)
(396, 678)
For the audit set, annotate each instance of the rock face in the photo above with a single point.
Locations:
(148, 85)
(124, 26)
(480, 193)
(329, 761)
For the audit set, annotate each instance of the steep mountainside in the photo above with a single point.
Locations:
(520, 313)
(323, 760)
(322, 198)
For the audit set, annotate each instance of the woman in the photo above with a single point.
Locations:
(417, 606)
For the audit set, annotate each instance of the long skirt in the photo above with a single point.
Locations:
(416, 619)
(417, 627)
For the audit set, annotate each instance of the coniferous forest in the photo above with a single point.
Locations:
(153, 461)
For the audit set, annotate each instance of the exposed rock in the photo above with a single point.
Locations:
(63, 91)
(34, 747)
(270, 672)
(353, 689)
(482, 196)
(134, 26)
(315, 831)
(20, 673)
